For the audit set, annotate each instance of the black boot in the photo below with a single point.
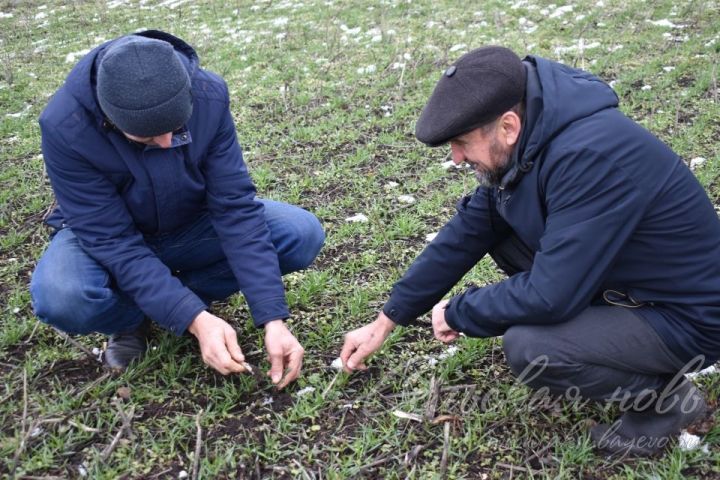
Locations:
(648, 432)
(125, 347)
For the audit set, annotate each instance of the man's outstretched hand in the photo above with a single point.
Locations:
(284, 353)
(441, 329)
(361, 343)
(218, 343)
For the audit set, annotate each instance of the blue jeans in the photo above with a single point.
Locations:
(73, 292)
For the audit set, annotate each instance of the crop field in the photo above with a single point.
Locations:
(325, 95)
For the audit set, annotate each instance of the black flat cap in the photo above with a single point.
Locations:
(479, 87)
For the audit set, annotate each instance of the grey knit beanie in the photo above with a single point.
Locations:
(143, 87)
(479, 87)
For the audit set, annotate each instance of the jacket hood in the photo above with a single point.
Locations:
(556, 95)
(81, 81)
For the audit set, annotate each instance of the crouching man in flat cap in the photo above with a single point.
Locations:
(611, 245)
(157, 215)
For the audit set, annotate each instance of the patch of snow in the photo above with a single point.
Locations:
(16, 310)
(712, 368)
(448, 353)
(459, 46)
(664, 23)
(182, 475)
(82, 470)
(40, 16)
(406, 199)
(392, 184)
(359, 218)
(6, 15)
(668, 69)
(280, 21)
(645, 88)
(72, 56)
(267, 401)
(37, 431)
(368, 69)
(305, 391)
(689, 442)
(397, 65)
(559, 12)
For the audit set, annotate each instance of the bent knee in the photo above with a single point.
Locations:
(309, 240)
(526, 352)
(68, 305)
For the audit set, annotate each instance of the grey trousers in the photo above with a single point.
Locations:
(606, 352)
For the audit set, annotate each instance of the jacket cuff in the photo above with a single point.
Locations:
(451, 316)
(269, 310)
(397, 313)
(184, 314)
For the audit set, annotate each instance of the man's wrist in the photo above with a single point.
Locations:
(384, 322)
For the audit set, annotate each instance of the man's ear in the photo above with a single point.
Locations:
(510, 125)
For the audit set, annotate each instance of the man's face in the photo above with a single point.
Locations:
(485, 152)
(162, 141)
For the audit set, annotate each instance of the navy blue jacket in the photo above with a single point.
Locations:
(604, 205)
(113, 193)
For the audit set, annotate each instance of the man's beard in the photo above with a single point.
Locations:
(492, 177)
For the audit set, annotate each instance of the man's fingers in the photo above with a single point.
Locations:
(277, 366)
(356, 360)
(348, 349)
(294, 367)
(232, 345)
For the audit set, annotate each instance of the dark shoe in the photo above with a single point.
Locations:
(650, 431)
(125, 347)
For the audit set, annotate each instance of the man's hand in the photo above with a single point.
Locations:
(218, 343)
(364, 341)
(284, 352)
(441, 329)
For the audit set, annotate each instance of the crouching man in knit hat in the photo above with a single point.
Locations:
(156, 213)
(611, 245)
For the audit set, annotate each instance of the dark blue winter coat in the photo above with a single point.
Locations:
(113, 193)
(604, 205)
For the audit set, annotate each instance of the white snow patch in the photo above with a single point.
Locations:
(280, 21)
(359, 218)
(668, 69)
(392, 184)
(368, 69)
(664, 23)
(688, 442)
(448, 353)
(267, 401)
(16, 310)
(645, 88)
(182, 475)
(6, 15)
(712, 368)
(72, 56)
(172, 4)
(20, 113)
(457, 47)
(406, 199)
(337, 364)
(40, 16)
(562, 11)
(305, 391)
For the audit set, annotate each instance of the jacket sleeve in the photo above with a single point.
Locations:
(459, 245)
(239, 220)
(105, 229)
(593, 207)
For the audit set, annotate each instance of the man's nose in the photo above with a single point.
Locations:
(164, 140)
(458, 157)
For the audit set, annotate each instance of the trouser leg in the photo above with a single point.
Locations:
(74, 293)
(609, 353)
